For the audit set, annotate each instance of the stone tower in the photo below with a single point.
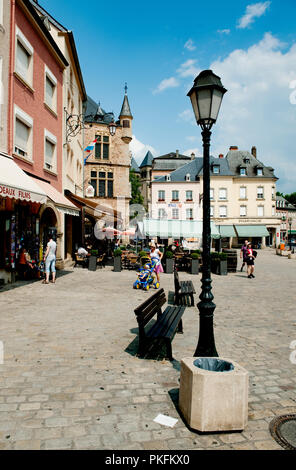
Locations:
(125, 119)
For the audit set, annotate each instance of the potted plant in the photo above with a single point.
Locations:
(221, 264)
(169, 262)
(195, 257)
(117, 260)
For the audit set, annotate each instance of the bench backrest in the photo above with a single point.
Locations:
(150, 307)
(177, 281)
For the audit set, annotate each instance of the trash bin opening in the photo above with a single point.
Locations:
(214, 365)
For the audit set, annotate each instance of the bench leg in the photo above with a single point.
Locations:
(180, 327)
(192, 300)
(169, 349)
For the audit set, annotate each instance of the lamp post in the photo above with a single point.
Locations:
(112, 128)
(290, 220)
(206, 96)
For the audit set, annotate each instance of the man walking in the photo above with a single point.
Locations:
(243, 254)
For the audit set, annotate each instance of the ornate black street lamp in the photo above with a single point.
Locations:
(206, 96)
(290, 220)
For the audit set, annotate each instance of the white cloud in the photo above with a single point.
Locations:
(223, 31)
(188, 116)
(253, 11)
(188, 69)
(190, 45)
(171, 82)
(191, 138)
(257, 109)
(195, 150)
(139, 150)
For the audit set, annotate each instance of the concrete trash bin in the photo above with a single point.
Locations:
(213, 394)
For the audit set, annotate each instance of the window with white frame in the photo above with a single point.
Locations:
(50, 146)
(211, 193)
(162, 214)
(260, 192)
(24, 58)
(243, 192)
(23, 134)
(188, 195)
(260, 211)
(161, 195)
(223, 193)
(212, 211)
(243, 211)
(259, 171)
(188, 177)
(50, 92)
(222, 211)
(175, 214)
(273, 210)
(216, 169)
(243, 171)
(189, 214)
(175, 195)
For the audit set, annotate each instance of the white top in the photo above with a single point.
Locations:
(156, 255)
(82, 251)
(52, 248)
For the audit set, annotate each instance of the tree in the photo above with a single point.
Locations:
(291, 198)
(137, 197)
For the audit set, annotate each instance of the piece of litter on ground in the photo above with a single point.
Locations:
(165, 420)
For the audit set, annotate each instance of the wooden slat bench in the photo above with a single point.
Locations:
(164, 329)
(183, 290)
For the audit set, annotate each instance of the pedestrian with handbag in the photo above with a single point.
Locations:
(251, 255)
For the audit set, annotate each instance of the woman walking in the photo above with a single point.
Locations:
(250, 261)
(156, 254)
(50, 259)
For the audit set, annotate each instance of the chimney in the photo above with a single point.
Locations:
(221, 155)
(233, 147)
(192, 156)
(254, 151)
(177, 153)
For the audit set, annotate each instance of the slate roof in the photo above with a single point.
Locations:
(94, 113)
(287, 204)
(236, 158)
(125, 109)
(135, 166)
(148, 159)
(195, 169)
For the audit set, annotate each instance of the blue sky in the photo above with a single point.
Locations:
(159, 47)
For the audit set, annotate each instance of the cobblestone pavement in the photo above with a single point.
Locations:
(70, 379)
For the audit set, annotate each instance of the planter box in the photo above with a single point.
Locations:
(194, 268)
(117, 264)
(169, 265)
(292, 256)
(213, 401)
(219, 267)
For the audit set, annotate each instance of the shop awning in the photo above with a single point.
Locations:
(251, 231)
(16, 184)
(227, 231)
(173, 229)
(60, 201)
(94, 209)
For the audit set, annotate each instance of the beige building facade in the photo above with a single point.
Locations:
(106, 171)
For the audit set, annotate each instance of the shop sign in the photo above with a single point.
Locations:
(15, 193)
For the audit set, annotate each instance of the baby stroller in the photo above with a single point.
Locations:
(146, 277)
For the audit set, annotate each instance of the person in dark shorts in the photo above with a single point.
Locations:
(250, 261)
(243, 254)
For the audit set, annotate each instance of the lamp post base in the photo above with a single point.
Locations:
(206, 342)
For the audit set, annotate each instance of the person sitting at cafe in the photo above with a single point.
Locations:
(26, 268)
(82, 252)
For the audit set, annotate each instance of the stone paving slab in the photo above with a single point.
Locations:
(71, 380)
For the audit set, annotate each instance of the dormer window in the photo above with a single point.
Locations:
(168, 178)
(216, 169)
(243, 171)
(259, 171)
(187, 177)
